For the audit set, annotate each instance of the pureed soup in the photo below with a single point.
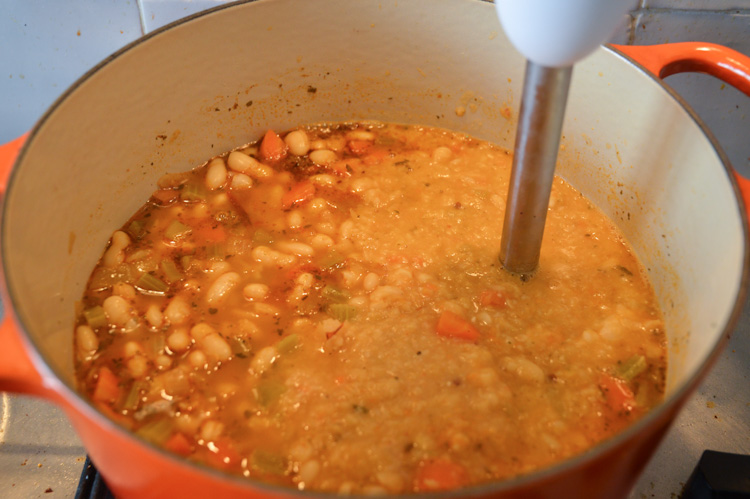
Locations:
(326, 311)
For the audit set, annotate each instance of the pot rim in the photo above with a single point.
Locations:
(665, 411)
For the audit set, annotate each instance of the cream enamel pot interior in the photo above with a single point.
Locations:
(197, 88)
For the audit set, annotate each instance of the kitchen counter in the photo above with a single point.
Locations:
(45, 46)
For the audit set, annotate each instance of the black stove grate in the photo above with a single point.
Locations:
(91, 485)
(718, 475)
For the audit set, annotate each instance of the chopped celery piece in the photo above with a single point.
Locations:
(268, 462)
(133, 398)
(185, 261)
(144, 261)
(331, 259)
(150, 284)
(288, 343)
(177, 230)
(334, 294)
(342, 312)
(171, 272)
(95, 317)
(137, 229)
(157, 431)
(193, 192)
(269, 391)
(261, 236)
(105, 277)
(216, 251)
(632, 367)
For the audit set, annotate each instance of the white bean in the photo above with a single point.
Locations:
(201, 330)
(239, 162)
(125, 290)
(177, 311)
(294, 219)
(255, 291)
(360, 135)
(323, 157)
(267, 256)
(309, 470)
(523, 368)
(197, 359)
(441, 154)
(216, 347)
(264, 359)
(371, 281)
(216, 174)
(323, 179)
(179, 340)
(154, 315)
(241, 181)
(221, 287)
(118, 310)
(316, 205)
(115, 254)
(138, 366)
(321, 241)
(296, 248)
(247, 164)
(298, 142)
(86, 341)
(346, 228)
(163, 361)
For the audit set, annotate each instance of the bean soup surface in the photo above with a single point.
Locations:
(324, 309)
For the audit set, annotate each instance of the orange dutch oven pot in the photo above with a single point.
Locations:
(201, 86)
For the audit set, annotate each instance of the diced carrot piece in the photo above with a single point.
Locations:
(359, 147)
(452, 325)
(617, 393)
(299, 193)
(272, 147)
(179, 444)
(492, 298)
(374, 156)
(440, 474)
(210, 233)
(165, 196)
(107, 387)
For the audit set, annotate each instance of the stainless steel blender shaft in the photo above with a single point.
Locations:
(545, 94)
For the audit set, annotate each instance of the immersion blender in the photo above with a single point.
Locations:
(552, 35)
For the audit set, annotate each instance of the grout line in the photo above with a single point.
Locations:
(141, 16)
(662, 10)
(633, 27)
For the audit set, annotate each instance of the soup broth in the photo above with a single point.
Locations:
(325, 309)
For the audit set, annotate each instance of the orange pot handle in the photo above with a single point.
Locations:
(8, 154)
(17, 371)
(721, 62)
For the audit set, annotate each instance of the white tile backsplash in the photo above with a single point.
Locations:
(723, 109)
(46, 46)
(56, 42)
(157, 13)
(697, 4)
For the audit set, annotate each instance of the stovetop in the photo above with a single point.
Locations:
(45, 46)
